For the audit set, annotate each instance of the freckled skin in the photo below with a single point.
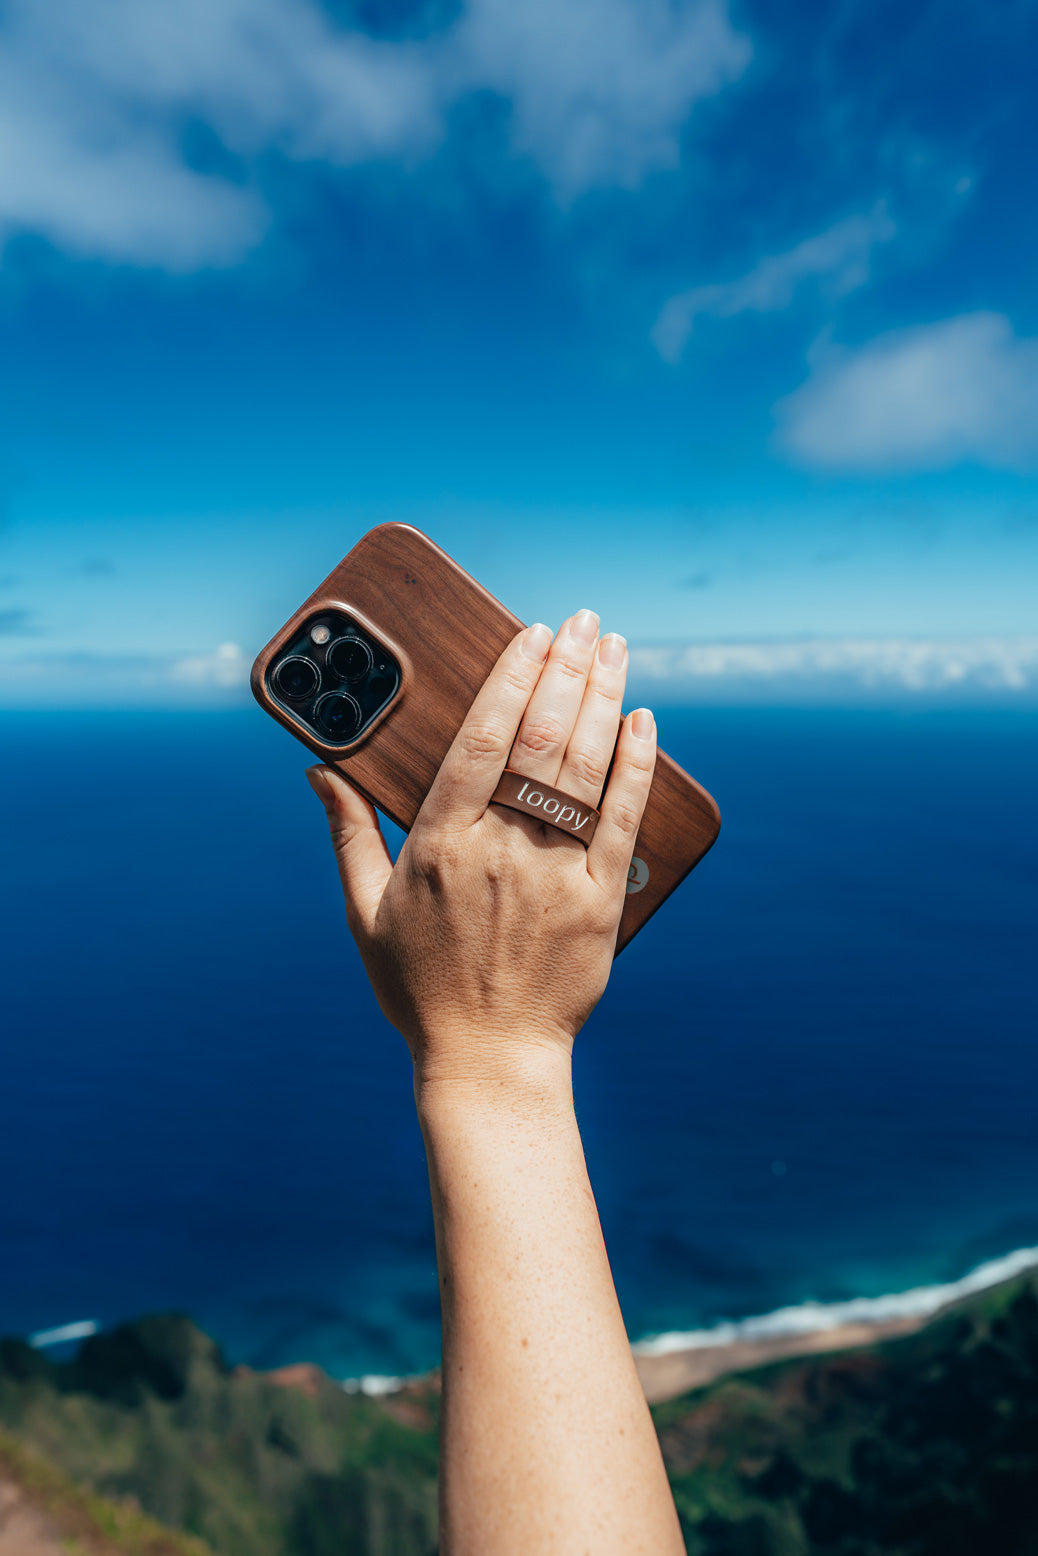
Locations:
(488, 945)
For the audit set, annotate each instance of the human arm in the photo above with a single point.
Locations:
(488, 945)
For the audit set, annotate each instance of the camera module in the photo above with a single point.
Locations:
(338, 716)
(333, 677)
(349, 658)
(296, 678)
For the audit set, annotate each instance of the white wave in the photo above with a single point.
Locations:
(374, 1384)
(811, 1317)
(65, 1333)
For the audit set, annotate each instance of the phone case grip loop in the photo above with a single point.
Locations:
(546, 804)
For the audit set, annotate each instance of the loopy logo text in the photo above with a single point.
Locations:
(561, 815)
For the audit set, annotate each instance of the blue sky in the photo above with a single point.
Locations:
(733, 310)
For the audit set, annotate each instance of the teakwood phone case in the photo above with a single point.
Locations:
(446, 632)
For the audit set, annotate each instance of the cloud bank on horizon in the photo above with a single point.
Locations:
(916, 666)
(744, 297)
(824, 670)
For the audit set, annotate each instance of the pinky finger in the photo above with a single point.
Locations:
(623, 804)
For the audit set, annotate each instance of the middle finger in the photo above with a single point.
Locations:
(547, 724)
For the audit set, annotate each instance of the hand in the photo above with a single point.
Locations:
(493, 936)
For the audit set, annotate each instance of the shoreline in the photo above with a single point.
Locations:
(663, 1375)
(671, 1364)
(666, 1375)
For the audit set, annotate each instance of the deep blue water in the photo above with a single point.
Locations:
(815, 1075)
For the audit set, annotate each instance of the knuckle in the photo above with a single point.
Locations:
(516, 679)
(573, 669)
(638, 762)
(340, 830)
(433, 856)
(422, 850)
(605, 914)
(587, 766)
(626, 816)
(343, 831)
(540, 735)
(499, 858)
(480, 740)
(607, 694)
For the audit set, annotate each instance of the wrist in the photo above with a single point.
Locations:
(529, 1075)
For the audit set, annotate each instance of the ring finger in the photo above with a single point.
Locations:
(551, 714)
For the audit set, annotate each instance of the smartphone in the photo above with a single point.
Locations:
(376, 671)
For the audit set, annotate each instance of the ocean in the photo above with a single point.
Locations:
(813, 1079)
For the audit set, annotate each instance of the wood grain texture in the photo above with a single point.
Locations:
(448, 631)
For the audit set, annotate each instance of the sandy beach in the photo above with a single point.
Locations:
(665, 1376)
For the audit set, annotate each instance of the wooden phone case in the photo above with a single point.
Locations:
(447, 632)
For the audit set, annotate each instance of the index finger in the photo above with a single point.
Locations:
(471, 769)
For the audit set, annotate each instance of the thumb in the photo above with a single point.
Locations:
(364, 862)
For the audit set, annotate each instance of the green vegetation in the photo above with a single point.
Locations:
(89, 1525)
(151, 1411)
(926, 1446)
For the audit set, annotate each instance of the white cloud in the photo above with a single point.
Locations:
(261, 72)
(600, 88)
(1007, 664)
(111, 192)
(94, 101)
(838, 668)
(919, 399)
(81, 678)
(838, 259)
(226, 666)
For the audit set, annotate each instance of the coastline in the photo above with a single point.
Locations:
(666, 1375)
(671, 1364)
(912, 1428)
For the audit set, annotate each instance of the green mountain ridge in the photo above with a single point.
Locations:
(152, 1411)
(922, 1446)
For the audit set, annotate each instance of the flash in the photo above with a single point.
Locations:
(320, 634)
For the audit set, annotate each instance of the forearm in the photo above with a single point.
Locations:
(488, 943)
(547, 1443)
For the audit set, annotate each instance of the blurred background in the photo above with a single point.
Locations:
(719, 320)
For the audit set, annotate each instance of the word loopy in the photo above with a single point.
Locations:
(562, 815)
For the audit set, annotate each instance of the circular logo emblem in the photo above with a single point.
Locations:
(637, 876)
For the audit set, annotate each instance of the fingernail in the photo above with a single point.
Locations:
(536, 642)
(584, 626)
(643, 725)
(612, 651)
(319, 784)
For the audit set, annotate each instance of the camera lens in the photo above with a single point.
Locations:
(349, 658)
(338, 716)
(296, 678)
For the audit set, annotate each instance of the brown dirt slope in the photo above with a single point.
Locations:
(43, 1513)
